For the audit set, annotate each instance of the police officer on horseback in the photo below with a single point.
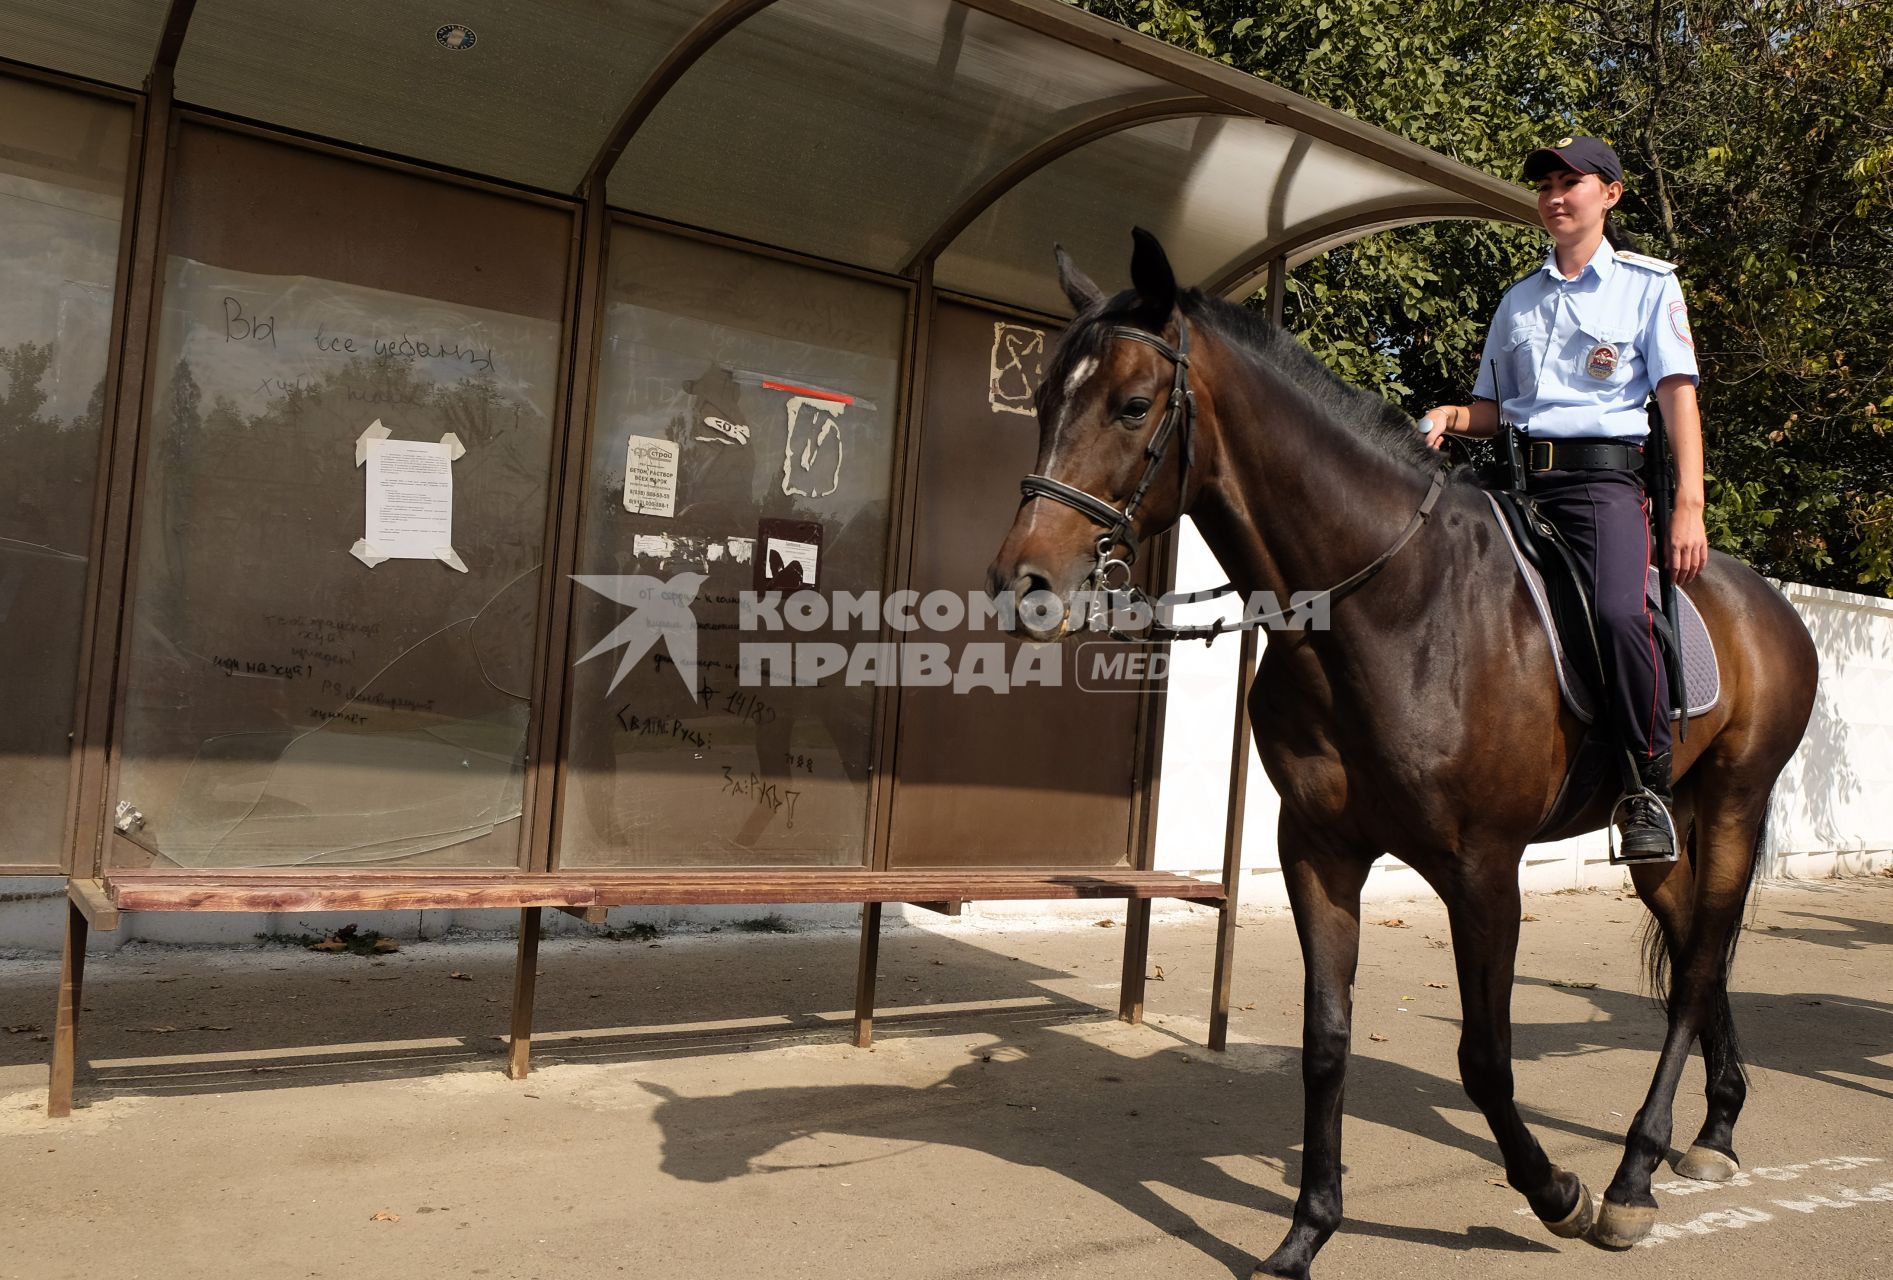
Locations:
(1573, 355)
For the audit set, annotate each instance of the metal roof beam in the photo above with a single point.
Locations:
(684, 55)
(1240, 275)
(1252, 96)
(1054, 148)
(177, 21)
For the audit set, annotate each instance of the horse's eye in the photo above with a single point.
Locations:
(1135, 410)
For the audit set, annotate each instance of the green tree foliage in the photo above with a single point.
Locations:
(1757, 139)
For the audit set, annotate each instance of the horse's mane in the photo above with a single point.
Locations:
(1375, 420)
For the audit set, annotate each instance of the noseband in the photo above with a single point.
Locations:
(1179, 418)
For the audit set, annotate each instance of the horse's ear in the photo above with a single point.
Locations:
(1076, 284)
(1155, 282)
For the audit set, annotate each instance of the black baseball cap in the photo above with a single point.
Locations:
(1580, 155)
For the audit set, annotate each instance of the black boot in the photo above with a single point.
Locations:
(1645, 832)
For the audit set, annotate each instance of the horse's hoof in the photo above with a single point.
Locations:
(1619, 1226)
(1706, 1164)
(1574, 1224)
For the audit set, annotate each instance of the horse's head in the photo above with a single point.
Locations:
(1116, 430)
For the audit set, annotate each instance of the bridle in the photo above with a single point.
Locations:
(1119, 524)
(1179, 417)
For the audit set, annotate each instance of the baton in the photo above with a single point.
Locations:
(1662, 488)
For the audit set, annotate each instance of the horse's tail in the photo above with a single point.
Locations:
(1656, 951)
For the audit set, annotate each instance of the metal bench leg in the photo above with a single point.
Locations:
(864, 974)
(1130, 1001)
(66, 1020)
(1225, 967)
(525, 975)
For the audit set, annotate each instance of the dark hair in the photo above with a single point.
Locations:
(1618, 237)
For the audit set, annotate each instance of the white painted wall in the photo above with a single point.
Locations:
(1832, 814)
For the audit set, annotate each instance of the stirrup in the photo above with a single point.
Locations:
(1619, 858)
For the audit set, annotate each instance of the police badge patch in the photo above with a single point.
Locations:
(1602, 361)
(1679, 321)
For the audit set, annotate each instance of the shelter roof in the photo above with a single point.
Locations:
(961, 136)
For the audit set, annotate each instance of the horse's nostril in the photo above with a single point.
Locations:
(1028, 581)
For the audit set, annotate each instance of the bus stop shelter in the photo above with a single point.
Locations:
(661, 285)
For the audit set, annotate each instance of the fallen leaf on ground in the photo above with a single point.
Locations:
(1250, 1005)
(1437, 986)
(21, 1028)
(1393, 922)
(1107, 924)
(458, 976)
(382, 1215)
(329, 944)
(1158, 975)
(1498, 1182)
(385, 945)
(1574, 986)
(1376, 1037)
(1528, 917)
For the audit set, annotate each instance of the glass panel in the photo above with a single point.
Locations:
(764, 377)
(287, 703)
(1044, 775)
(852, 128)
(1212, 188)
(111, 40)
(62, 177)
(530, 97)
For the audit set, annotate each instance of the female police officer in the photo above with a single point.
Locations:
(1572, 356)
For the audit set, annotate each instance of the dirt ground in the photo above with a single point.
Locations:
(695, 1110)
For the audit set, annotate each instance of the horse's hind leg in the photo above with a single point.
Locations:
(1324, 887)
(1667, 889)
(1729, 819)
(1483, 907)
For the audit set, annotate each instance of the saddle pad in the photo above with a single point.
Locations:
(1702, 676)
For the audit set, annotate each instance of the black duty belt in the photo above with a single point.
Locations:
(1583, 455)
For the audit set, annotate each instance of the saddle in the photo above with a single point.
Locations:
(1550, 571)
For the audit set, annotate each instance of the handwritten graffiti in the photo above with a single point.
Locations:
(1018, 365)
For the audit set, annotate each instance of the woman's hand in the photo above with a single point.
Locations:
(1689, 544)
(1440, 419)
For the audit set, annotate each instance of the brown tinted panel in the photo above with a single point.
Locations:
(62, 176)
(743, 402)
(1041, 775)
(295, 698)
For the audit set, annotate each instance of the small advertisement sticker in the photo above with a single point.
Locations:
(650, 476)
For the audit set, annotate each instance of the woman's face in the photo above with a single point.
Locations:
(1572, 205)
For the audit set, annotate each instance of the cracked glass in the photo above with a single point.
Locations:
(287, 702)
(741, 399)
(62, 179)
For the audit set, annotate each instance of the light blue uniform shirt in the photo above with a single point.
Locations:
(1581, 357)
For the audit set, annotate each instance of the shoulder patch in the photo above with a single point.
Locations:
(1645, 261)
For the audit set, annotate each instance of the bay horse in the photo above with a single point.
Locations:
(1425, 721)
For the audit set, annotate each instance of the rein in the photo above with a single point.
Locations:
(1179, 419)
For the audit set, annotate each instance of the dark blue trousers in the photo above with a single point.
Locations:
(1605, 517)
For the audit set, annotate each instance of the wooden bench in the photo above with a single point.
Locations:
(98, 904)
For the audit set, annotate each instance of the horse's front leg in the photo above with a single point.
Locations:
(1482, 905)
(1324, 887)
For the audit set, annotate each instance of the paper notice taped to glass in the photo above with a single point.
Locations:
(410, 506)
(650, 476)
